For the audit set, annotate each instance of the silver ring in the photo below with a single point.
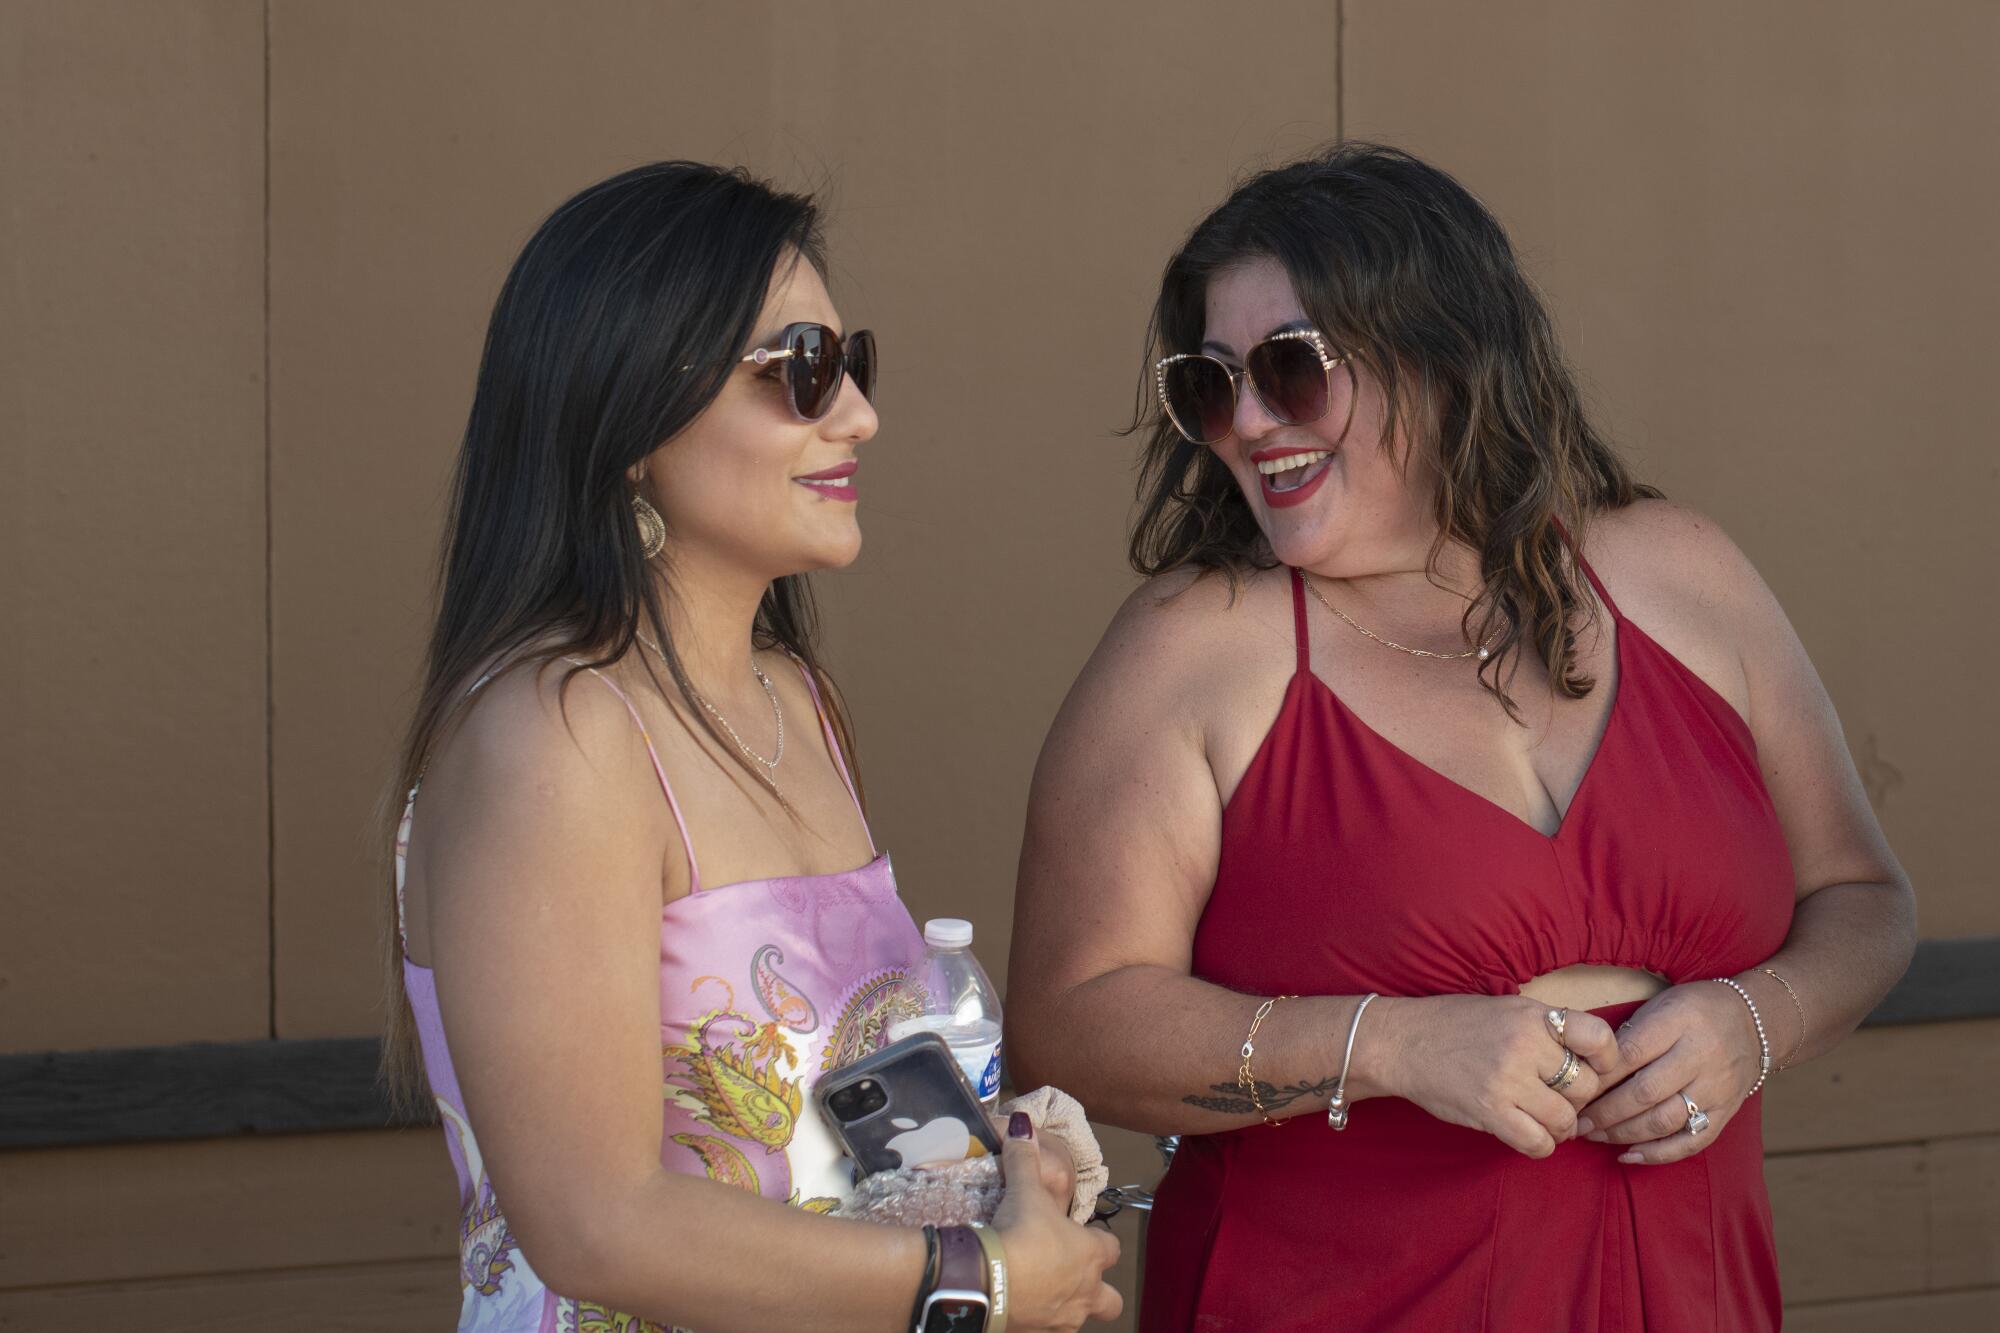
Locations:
(1558, 1021)
(1697, 1118)
(1571, 1066)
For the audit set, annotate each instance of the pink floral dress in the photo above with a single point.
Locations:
(764, 986)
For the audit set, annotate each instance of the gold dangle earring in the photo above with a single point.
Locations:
(652, 528)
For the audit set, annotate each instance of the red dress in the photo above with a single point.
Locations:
(1348, 867)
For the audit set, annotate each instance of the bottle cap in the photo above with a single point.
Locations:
(947, 932)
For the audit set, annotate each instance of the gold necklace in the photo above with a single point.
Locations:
(770, 765)
(1482, 652)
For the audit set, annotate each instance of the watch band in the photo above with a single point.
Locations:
(996, 1276)
(928, 1282)
(959, 1303)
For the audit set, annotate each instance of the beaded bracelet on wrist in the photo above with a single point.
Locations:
(1763, 1042)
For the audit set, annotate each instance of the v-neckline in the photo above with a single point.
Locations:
(1569, 812)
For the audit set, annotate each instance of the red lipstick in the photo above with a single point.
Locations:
(1277, 499)
(835, 483)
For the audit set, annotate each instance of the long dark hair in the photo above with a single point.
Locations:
(1409, 276)
(615, 329)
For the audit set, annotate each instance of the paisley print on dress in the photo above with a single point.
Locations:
(735, 1079)
(590, 1317)
(870, 1007)
(486, 1243)
(722, 1160)
(781, 999)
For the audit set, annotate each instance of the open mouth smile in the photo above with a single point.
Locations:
(1289, 477)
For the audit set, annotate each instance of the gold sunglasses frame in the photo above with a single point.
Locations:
(764, 356)
(1327, 361)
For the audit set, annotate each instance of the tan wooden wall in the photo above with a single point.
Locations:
(250, 250)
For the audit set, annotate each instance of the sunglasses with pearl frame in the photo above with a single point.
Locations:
(1291, 372)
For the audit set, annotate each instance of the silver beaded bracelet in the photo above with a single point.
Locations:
(1763, 1042)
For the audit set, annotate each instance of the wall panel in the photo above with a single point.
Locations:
(413, 1296)
(133, 855)
(151, 1211)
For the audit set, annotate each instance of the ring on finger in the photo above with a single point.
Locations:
(1567, 1074)
(1558, 1021)
(1697, 1118)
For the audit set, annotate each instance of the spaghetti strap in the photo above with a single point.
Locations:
(1299, 621)
(1603, 593)
(833, 748)
(687, 843)
(1576, 552)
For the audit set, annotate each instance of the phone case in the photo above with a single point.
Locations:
(932, 1114)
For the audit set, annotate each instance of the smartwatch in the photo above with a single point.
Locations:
(959, 1303)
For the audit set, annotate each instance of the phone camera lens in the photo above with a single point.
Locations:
(858, 1101)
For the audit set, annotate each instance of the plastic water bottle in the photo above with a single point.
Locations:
(963, 1007)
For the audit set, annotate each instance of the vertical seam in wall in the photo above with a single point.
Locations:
(1340, 69)
(270, 693)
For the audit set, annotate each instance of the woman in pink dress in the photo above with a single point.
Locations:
(639, 907)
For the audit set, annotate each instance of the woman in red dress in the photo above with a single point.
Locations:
(1451, 833)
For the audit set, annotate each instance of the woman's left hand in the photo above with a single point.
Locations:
(1697, 1039)
(1058, 1164)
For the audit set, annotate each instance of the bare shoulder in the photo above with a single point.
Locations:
(548, 719)
(1187, 652)
(1680, 577)
(1659, 548)
(1172, 625)
(540, 746)
(536, 773)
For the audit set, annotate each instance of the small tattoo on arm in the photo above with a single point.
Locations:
(1228, 1098)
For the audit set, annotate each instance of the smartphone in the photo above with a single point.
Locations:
(907, 1104)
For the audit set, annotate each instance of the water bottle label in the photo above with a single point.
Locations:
(989, 1082)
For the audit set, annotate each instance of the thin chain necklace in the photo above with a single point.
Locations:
(777, 711)
(1482, 652)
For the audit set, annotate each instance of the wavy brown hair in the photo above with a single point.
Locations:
(1414, 281)
(617, 326)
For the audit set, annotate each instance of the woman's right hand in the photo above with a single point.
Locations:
(1055, 1267)
(1484, 1061)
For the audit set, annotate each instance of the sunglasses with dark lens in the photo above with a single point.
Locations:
(1290, 372)
(815, 364)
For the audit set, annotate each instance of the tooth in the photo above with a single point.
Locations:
(1291, 462)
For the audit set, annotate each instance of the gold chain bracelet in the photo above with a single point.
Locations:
(1798, 1045)
(1245, 1080)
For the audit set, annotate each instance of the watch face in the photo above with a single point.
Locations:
(954, 1314)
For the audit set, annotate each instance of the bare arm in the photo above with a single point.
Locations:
(1124, 828)
(1854, 927)
(543, 870)
(1124, 832)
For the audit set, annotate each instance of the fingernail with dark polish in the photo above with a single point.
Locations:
(1019, 1126)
